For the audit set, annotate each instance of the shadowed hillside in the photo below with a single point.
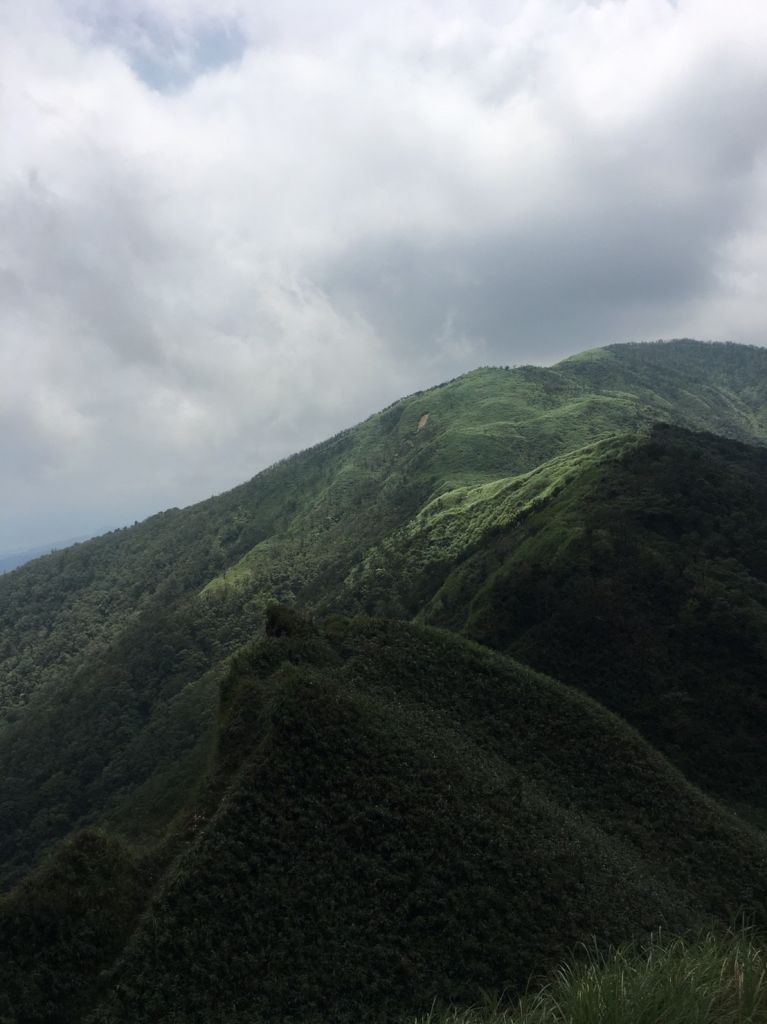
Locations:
(64, 925)
(348, 821)
(110, 651)
(643, 581)
(394, 815)
(399, 815)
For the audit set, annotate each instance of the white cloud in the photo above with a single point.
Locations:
(227, 229)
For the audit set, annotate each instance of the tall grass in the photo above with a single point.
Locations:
(716, 979)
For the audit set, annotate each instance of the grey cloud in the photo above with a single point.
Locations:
(228, 230)
(621, 263)
(91, 257)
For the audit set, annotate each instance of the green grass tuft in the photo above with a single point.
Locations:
(716, 979)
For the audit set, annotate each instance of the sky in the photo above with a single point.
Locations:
(229, 229)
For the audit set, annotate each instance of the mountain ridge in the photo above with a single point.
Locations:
(171, 736)
(122, 614)
(356, 753)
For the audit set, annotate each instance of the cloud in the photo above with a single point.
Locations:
(228, 230)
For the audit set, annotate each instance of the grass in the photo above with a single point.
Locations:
(715, 979)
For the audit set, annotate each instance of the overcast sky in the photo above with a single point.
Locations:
(229, 229)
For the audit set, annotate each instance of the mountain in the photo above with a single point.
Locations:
(394, 815)
(643, 582)
(110, 651)
(601, 521)
(13, 559)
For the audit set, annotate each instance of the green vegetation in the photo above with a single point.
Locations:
(110, 650)
(643, 581)
(212, 811)
(408, 816)
(395, 815)
(63, 925)
(713, 980)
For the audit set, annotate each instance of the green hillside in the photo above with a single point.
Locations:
(348, 821)
(111, 651)
(65, 924)
(396, 815)
(641, 579)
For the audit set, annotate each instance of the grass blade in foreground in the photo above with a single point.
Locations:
(713, 980)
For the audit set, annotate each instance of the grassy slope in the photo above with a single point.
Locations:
(311, 514)
(118, 624)
(409, 816)
(399, 576)
(643, 581)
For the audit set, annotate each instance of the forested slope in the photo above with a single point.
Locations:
(395, 815)
(345, 821)
(111, 651)
(643, 582)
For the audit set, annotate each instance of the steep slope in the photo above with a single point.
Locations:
(399, 815)
(642, 581)
(110, 651)
(311, 514)
(401, 574)
(63, 925)
(721, 388)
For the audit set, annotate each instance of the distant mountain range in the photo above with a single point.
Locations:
(13, 559)
(243, 777)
